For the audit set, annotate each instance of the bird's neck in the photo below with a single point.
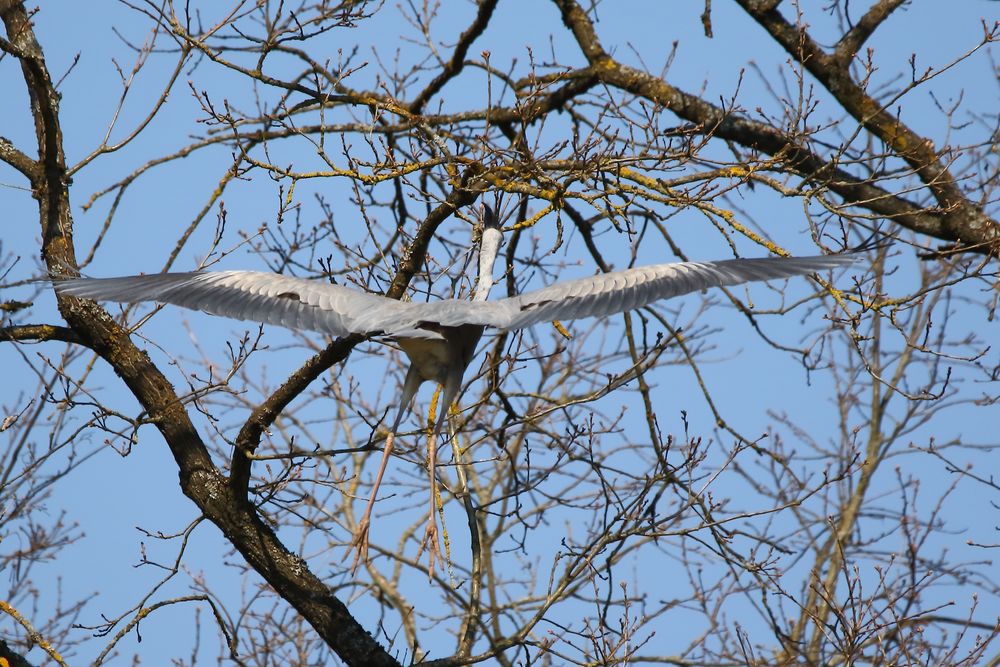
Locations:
(489, 247)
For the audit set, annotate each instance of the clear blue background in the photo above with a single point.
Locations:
(112, 496)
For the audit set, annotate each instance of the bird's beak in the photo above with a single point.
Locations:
(490, 217)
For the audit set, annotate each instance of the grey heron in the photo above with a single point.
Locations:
(440, 338)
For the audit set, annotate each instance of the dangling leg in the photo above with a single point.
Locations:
(360, 539)
(430, 541)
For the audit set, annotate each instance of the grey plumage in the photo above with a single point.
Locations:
(299, 303)
(440, 338)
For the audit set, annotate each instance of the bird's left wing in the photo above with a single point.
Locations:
(619, 291)
(270, 298)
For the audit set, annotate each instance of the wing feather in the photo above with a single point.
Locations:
(609, 293)
(298, 303)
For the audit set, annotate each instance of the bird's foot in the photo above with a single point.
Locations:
(430, 542)
(359, 544)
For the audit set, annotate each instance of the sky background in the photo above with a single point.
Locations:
(128, 494)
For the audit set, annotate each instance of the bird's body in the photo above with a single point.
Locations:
(440, 338)
(433, 357)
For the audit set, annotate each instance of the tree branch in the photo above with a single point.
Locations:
(853, 39)
(454, 66)
(959, 220)
(200, 480)
(249, 436)
(18, 160)
(40, 333)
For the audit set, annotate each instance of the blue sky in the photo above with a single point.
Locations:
(112, 496)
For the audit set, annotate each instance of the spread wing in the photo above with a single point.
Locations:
(312, 305)
(270, 298)
(619, 291)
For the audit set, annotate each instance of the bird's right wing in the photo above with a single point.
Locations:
(270, 298)
(617, 292)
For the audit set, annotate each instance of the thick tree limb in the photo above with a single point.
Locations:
(40, 333)
(958, 220)
(961, 219)
(200, 480)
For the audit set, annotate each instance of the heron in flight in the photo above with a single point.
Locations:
(440, 337)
